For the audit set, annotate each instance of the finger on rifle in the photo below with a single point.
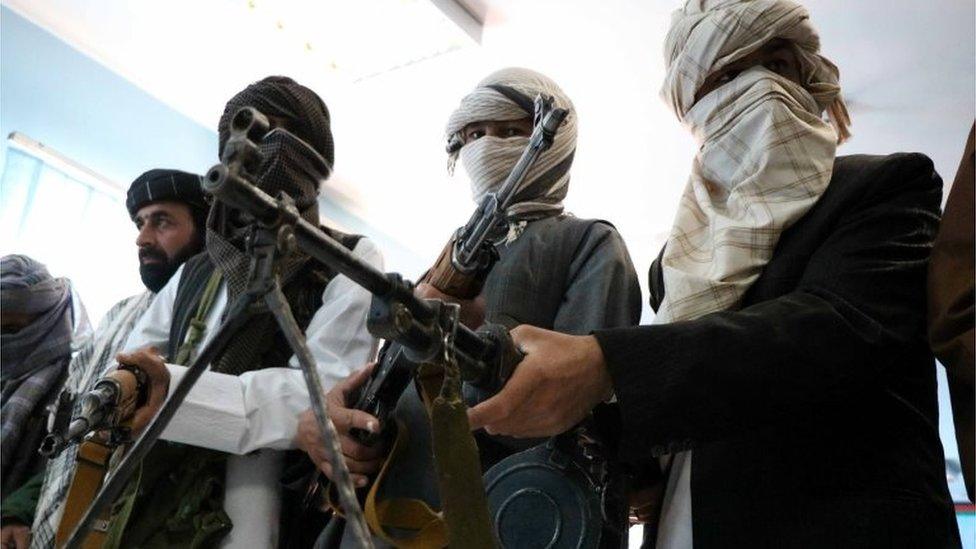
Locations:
(525, 338)
(355, 450)
(131, 357)
(326, 468)
(346, 419)
(497, 412)
(355, 379)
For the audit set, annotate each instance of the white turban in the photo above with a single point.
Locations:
(489, 160)
(706, 35)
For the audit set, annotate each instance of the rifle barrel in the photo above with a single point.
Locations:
(241, 194)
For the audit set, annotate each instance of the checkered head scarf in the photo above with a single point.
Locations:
(508, 94)
(297, 156)
(766, 153)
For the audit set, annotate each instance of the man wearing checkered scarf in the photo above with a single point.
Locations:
(785, 388)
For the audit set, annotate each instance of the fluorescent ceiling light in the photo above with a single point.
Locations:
(67, 166)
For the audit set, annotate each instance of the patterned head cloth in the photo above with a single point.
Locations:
(34, 357)
(508, 94)
(162, 184)
(766, 153)
(302, 111)
(288, 165)
(706, 35)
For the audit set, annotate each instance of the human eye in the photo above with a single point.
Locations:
(727, 76)
(776, 65)
(475, 133)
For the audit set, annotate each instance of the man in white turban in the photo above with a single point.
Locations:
(785, 387)
(554, 270)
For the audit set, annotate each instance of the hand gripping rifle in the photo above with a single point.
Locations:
(461, 268)
(426, 330)
(107, 406)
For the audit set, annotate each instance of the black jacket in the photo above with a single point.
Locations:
(811, 410)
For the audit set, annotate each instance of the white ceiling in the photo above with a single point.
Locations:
(907, 69)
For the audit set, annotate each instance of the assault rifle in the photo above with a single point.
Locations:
(106, 406)
(427, 330)
(461, 268)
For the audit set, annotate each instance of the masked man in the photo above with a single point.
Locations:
(786, 381)
(207, 476)
(169, 210)
(554, 270)
(39, 324)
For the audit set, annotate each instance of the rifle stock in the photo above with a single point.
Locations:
(450, 280)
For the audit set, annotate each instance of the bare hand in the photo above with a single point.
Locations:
(560, 380)
(148, 360)
(472, 310)
(360, 459)
(15, 536)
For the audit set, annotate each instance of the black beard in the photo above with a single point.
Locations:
(156, 275)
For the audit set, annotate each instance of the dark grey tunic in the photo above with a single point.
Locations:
(566, 274)
(562, 273)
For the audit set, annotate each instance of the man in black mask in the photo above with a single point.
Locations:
(214, 476)
(169, 210)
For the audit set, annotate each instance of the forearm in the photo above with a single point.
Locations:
(239, 414)
(683, 383)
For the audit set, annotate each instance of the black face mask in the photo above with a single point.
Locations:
(156, 275)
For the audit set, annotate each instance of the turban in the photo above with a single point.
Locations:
(34, 358)
(160, 184)
(303, 111)
(508, 94)
(706, 35)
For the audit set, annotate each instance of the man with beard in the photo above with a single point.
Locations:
(214, 477)
(554, 270)
(169, 210)
(786, 385)
(38, 319)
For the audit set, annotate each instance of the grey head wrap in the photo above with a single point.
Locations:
(489, 160)
(34, 358)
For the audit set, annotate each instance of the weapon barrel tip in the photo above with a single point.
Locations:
(51, 446)
(250, 121)
(213, 181)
